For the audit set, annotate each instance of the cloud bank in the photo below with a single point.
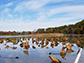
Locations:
(33, 14)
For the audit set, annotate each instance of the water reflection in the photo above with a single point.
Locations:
(59, 46)
(54, 60)
(14, 48)
(7, 47)
(11, 57)
(26, 52)
(63, 53)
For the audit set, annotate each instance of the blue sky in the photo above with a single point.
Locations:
(29, 15)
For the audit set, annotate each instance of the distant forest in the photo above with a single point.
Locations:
(77, 28)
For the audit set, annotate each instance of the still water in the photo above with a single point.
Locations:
(38, 49)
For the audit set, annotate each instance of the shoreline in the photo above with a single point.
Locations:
(42, 35)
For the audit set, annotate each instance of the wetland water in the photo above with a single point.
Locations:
(24, 49)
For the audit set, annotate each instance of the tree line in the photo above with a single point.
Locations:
(77, 28)
(15, 33)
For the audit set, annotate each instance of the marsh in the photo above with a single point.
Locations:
(19, 49)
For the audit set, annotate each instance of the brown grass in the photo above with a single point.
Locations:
(46, 35)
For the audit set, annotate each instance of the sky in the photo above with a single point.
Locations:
(29, 15)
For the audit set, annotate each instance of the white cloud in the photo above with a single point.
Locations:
(70, 13)
(10, 15)
(60, 0)
(6, 10)
(20, 25)
(9, 4)
(44, 18)
(41, 17)
(35, 4)
(30, 5)
(67, 9)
